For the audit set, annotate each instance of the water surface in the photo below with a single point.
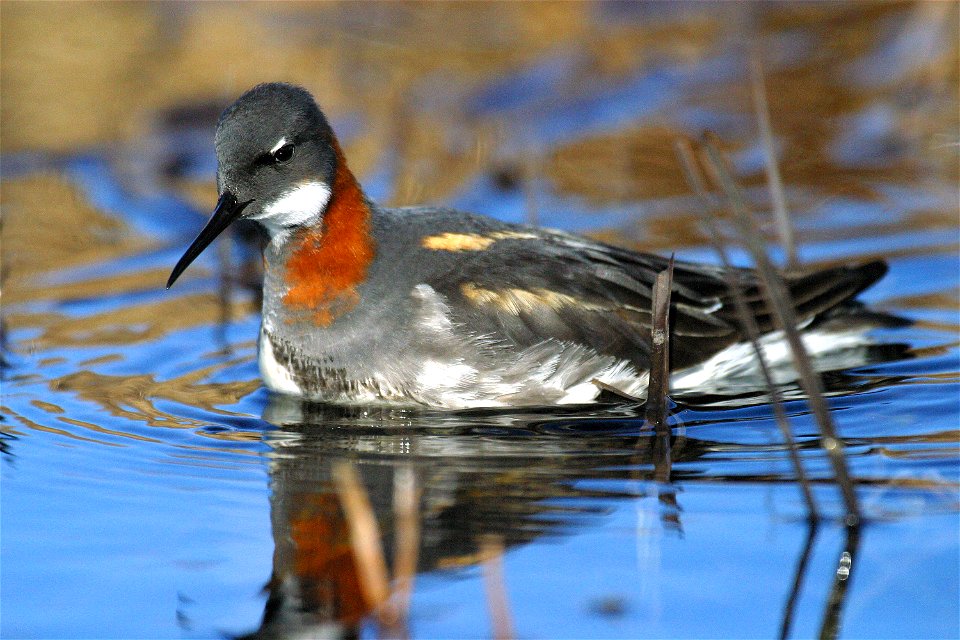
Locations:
(152, 487)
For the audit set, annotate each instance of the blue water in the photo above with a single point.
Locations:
(151, 487)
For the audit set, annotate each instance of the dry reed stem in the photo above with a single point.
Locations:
(364, 535)
(659, 377)
(224, 294)
(774, 181)
(830, 627)
(531, 173)
(407, 542)
(491, 550)
(747, 321)
(662, 455)
(784, 316)
(798, 575)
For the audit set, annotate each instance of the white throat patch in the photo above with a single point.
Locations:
(297, 206)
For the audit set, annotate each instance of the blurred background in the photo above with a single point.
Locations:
(126, 408)
(560, 113)
(430, 97)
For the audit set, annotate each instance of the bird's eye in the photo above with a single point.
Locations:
(283, 154)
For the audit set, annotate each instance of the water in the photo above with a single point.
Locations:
(152, 488)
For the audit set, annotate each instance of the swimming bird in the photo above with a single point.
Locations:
(364, 304)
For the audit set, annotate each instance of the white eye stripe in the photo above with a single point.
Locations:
(279, 144)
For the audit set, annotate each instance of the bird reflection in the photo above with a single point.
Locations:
(480, 476)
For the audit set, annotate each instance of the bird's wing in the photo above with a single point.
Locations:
(536, 285)
(527, 285)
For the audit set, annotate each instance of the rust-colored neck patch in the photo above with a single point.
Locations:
(328, 263)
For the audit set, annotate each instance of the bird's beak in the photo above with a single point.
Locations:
(228, 210)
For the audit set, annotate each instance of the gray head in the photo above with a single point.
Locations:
(276, 161)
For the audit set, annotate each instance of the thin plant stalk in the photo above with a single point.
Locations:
(491, 549)
(407, 542)
(659, 377)
(784, 316)
(658, 398)
(662, 455)
(224, 295)
(364, 536)
(830, 627)
(747, 321)
(798, 575)
(774, 181)
(531, 172)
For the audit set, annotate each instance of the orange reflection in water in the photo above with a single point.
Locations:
(323, 559)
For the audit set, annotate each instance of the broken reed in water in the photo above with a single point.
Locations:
(658, 387)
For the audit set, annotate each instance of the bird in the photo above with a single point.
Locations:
(428, 306)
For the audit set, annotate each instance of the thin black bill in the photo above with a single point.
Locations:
(227, 210)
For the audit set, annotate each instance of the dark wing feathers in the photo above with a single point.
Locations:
(563, 287)
(812, 294)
